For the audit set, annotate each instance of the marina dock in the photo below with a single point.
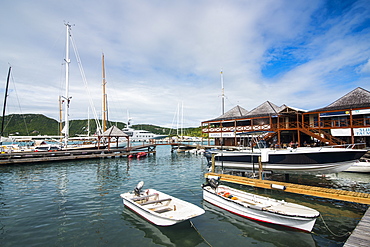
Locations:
(360, 237)
(32, 157)
(61, 155)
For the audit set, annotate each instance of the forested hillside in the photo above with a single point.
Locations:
(38, 124)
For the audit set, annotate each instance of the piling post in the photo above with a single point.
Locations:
(259, 168)
(213, 163)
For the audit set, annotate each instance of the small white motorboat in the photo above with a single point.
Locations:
(361, 165)
(159, 208)
(259, 208)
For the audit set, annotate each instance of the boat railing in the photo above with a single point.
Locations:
(359, 145)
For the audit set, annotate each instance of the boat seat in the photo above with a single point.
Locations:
(155, 201)
(142, 197)
(163, 210)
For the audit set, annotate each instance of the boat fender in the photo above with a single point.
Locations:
(264, 156)
(278, 187)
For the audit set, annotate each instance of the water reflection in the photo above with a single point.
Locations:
(181, 234)
(77, 203)
(262, 232)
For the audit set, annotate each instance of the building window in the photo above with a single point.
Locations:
(339, 122)
(367, 121)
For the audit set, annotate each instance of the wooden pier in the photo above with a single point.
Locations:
(34, 157)
(341, 195)
(360, 237)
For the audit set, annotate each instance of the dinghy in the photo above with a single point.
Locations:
(259, 208)
(159, 208)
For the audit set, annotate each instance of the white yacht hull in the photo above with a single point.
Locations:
(359, 166)
(300, 160)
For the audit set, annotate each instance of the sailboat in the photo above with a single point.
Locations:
(120, 143)
(87, 143)
(2, 138)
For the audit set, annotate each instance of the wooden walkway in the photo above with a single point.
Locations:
(34, 157)
(342, 195)
(360, 237)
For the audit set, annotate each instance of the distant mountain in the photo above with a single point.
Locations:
(29, 124)
(38, 124)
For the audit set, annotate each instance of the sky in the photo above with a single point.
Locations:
(163, 59)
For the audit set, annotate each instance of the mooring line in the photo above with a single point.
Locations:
(191, 223)
(327, 227)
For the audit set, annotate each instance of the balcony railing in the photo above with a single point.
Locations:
(323, 124)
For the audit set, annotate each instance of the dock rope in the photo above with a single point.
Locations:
(192, 225)
(327, 227)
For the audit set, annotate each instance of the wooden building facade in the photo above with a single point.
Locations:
(345, 121)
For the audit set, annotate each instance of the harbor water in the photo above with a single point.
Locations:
(77, 203)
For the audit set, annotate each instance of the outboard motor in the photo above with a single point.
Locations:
(138, 188)
(213, 182)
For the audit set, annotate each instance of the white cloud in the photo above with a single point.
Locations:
(365, 68)
(160, 53)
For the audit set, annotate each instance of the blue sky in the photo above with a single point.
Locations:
(160, 54)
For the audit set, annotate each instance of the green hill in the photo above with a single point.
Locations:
(38, 124)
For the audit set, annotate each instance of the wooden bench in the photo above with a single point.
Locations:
(155, 201)
(143, 197)
(163, 210)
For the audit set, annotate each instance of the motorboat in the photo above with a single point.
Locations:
(159, 208)
(361, 165)
(301, 160)
(259, 208)
(141, 135)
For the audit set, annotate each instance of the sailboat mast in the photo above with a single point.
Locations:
(60, 114)
(182, 119)
(66, 97)
(4, 106)
(104, 98)
(223, 94)
(178, 119)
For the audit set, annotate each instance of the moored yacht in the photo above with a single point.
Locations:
(141, 135)
(306, 160)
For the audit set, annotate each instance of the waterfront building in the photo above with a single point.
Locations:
(345, 121)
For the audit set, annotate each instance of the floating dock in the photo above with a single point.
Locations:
(341, 195)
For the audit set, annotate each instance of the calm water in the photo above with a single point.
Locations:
(78, 204)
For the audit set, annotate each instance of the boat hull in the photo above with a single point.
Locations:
(359, 166)
(255, 212)
(296, 161)
(177, 210)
